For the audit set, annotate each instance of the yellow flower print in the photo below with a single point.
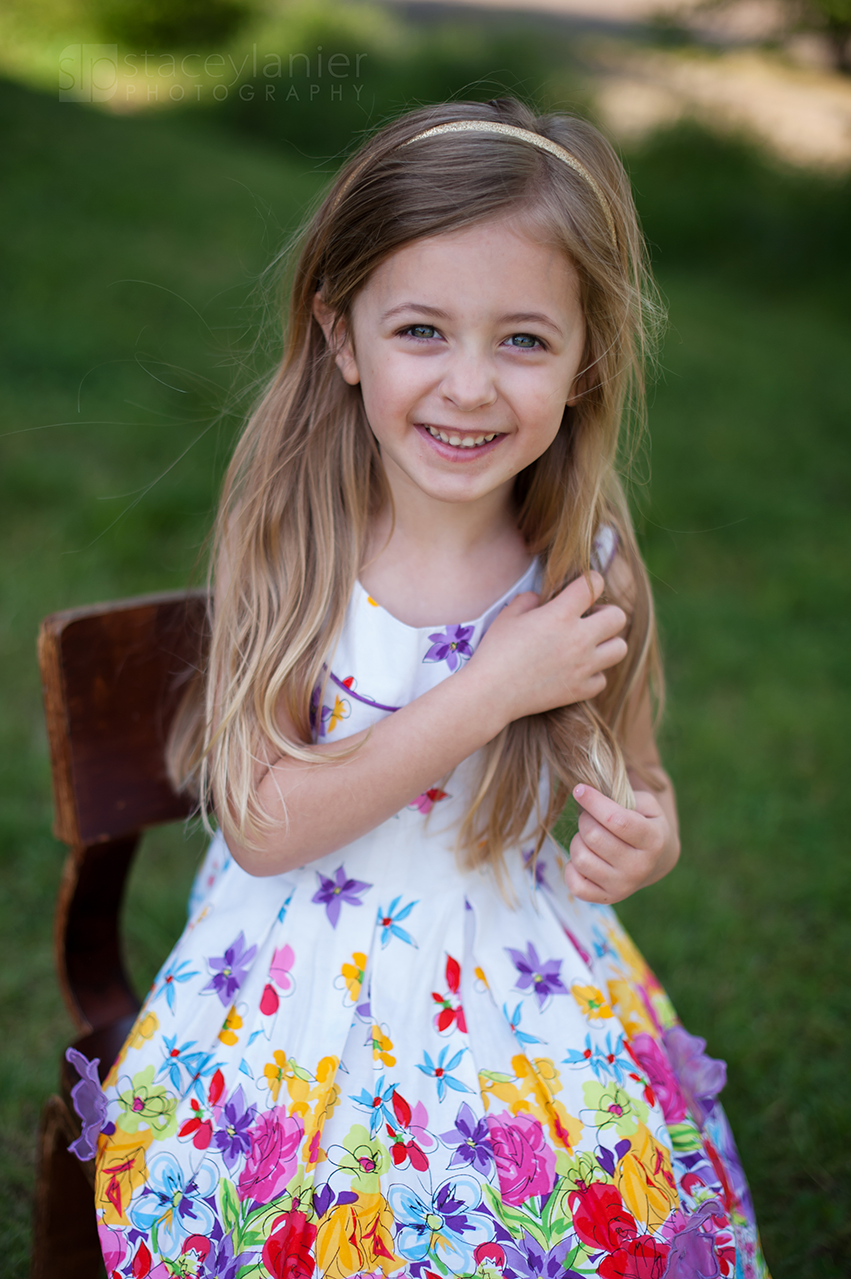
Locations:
(357, 1238)
(543, 1081)
(532, 1091)
(286, 1070)
(644, 1178)
(592, 1003)
(342, 710)
(121, 1169)
(145, 1027)
(353, 974)
(324, 1098)
(371, 601)
(231, 1024)
(630, 1008)
(479, 974)
(381, 1047)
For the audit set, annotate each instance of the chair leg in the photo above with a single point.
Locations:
(65, 1236)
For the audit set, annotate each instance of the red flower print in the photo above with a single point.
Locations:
(403, 1138)
(217, 1087)
(141, 1262)
(450, 1010)
(198, 1128)
(286, 1253)
(642, 1258)
(600, 1218)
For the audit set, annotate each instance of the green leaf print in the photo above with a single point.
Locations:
(685, 1136)
(515, 1220)
(230, 1205)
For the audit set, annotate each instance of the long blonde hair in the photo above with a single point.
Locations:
(306, 477)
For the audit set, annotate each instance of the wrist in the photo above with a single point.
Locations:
(483, 699)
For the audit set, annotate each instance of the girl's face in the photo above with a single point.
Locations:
(467, 347)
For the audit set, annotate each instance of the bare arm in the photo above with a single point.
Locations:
(531, 659)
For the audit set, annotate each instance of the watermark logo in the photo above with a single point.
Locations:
(88, 72)
(96, 73)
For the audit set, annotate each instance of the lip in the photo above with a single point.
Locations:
(450, 451)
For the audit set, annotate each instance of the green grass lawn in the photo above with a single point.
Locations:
(131, 248)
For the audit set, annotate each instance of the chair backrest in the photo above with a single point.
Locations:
(113, 676)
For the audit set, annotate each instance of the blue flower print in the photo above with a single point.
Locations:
(471, 1140)
(606, 1062)
(441, 1072)
(513, 1020)
(389, 923)
(334, 890)
(379, 1104)
(451, 646)
(230, 971)
(170, 1208)
(167, 978)
(539, 976)
(444, 1226)
(198, 1065)
(233, 1138)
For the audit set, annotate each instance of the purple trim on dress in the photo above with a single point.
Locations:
(367, 701)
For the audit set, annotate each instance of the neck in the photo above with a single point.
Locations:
(442, 561)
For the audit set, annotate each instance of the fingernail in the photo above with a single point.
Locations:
(578, 791)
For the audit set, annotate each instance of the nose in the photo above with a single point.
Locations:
(469, 381)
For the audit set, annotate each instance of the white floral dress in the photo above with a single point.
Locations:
(375, 1065)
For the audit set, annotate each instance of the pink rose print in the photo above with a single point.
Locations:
(273, 1156)
(663, 1081)
(525, 1163)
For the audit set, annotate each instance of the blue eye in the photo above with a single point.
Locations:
(420, 331)
(524, 341)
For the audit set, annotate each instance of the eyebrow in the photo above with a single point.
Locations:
(519, 317)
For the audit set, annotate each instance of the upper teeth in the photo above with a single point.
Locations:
(458, 441)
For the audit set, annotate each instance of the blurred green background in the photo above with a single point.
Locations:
(135, 320)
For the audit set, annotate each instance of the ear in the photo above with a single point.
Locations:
(338, 339)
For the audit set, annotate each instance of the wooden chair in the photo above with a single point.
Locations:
(112, 677)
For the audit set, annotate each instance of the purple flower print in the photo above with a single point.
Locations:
(471, 1140)
(700, 1077)
(230, 970)
(332, 892)
(526, 1259)
(233, 1138)
(89, 1103)
(451, 646)
(542, 978)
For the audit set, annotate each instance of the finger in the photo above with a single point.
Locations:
(581, 885)
(610, 652)
(646, 803)
(608, 620)
(606, 846)
(522, 603)
(581, 593)
(627, 824)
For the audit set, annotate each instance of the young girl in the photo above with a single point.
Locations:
(403, 1032)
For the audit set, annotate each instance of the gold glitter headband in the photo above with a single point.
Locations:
(526, 135)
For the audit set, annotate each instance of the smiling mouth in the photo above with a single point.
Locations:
(460, 441)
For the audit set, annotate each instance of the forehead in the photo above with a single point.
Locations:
(495, 265)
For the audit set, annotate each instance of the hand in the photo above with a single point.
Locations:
(618, 850)
(536, 657)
